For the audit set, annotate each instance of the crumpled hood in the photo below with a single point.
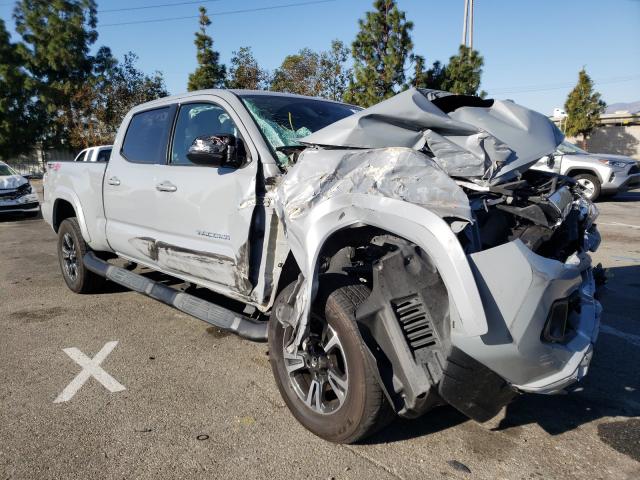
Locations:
(487, 141)
(11, 182)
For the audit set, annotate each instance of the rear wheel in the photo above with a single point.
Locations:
(71, 250)
(329, 384)
(590, 185)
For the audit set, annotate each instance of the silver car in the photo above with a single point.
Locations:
(597, 173)
(16, 193)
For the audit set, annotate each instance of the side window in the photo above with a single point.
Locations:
(195, 120)
(81, 156)
(147, 135)
(103, 155)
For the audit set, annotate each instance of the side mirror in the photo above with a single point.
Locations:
(551, 160)
(217, 151)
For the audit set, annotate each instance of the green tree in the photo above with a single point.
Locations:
(432, 77)
(245, 73)
(583, 107)
(115, 89)
(333, 74)
(18, 115)
(298, 73)
(56, 38)
(380, 51)
(463, 72)
(210, 73)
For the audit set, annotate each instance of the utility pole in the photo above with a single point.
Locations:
(464, 24)
(467, 25)
(471, 25)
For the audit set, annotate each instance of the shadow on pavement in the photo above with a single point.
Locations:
(19, 217)
(633, 196)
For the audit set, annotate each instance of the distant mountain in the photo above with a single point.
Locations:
(631, 107)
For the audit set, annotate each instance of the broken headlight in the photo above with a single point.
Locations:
(23, 190)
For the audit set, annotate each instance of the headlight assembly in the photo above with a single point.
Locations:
(614, 163)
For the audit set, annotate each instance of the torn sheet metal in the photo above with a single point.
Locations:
(217, 268)
(320, 175)
(400, 173)
(484, 142)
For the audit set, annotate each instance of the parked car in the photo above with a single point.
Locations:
(16, 193)
(94, 154)
(395, 258)
(598, 173)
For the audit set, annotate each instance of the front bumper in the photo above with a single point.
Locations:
(621, 182)
(25, 204)
(518, 289)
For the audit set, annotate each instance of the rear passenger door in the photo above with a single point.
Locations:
(205, 213)
(130, 184)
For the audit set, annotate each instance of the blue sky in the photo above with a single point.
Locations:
(533, 49)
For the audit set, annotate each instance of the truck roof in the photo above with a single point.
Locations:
(225, 94)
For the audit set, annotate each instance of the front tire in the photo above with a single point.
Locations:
(590, 184)
(71, 251)
(330, 387)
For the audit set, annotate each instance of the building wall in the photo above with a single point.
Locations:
(617, 134)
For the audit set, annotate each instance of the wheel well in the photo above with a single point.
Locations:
(289, 273)
(61, 211)
(578, 171)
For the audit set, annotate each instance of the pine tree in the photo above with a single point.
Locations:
(380, 52)
(210, 73)
(56, 38)
(18, 116)
(583, 107)
(463, 72)
(432, 78)
(245, 73)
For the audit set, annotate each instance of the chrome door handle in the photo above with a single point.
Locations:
(114, 181)
(166, 187)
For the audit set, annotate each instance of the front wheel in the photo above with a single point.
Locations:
(329, 384)
(590, 185)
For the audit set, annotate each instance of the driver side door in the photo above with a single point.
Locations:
(206, 213)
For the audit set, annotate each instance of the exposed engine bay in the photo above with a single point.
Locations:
(545, 211)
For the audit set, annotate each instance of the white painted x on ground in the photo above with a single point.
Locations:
(90, 368)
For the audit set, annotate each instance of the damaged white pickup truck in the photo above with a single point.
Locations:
(396, 258)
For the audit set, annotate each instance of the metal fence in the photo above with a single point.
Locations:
(33, 163)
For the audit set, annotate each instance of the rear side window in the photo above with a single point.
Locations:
(146, 137)
(103, 155)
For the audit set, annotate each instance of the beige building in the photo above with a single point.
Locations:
(618, 133)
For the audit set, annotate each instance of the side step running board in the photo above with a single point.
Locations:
(209, 312)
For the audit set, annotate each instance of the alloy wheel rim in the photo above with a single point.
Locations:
(69, 257)
(318, 373)
(588, 186)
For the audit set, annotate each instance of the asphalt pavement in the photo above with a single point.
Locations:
(198, 403)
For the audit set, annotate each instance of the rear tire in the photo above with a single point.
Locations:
(71, 251)
(590, 184)
(340, 415)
